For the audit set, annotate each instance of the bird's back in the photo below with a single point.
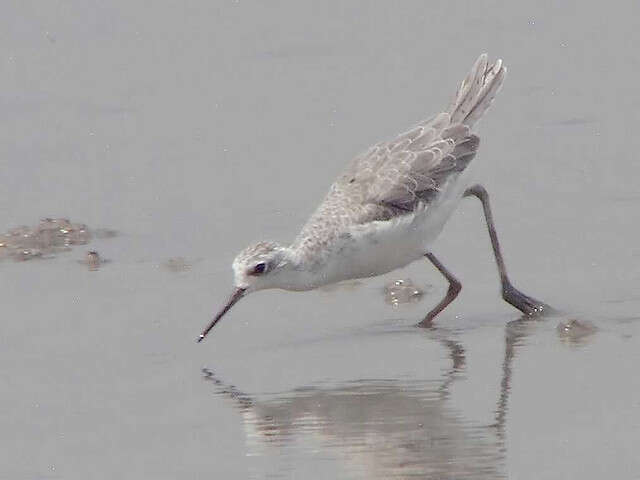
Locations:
(398, 177)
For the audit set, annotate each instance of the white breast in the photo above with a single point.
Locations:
(381, 247)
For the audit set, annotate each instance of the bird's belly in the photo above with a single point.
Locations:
(380, 250)
(385, 254)
(381, 247)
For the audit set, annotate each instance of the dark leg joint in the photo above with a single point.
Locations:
(454, 288)
(452, 292)
(526, 304)
(477, 191)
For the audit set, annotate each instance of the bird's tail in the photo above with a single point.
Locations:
(477, 91)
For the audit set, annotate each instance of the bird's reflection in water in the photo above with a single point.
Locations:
(387, 428)
(516, 332)
(570, 331)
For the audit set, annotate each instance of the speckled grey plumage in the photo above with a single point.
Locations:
(385, 209)
(396, 177)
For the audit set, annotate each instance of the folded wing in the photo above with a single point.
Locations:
(412, 167)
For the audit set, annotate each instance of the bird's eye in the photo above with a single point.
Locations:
(259, 268)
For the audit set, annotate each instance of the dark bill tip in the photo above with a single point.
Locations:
(237, 294)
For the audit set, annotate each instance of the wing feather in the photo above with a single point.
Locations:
(408, 169)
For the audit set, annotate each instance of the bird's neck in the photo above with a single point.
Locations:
(296, 272)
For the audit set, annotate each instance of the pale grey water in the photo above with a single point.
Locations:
(194, 130)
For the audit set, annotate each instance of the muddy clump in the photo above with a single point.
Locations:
(45, 240)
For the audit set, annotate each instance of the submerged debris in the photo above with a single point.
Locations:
(50, 236)
(177, 264)
(93, 260)
(402, 291)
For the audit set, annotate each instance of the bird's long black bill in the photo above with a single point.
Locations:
(235, 296)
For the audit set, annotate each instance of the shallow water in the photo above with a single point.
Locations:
(194, 130)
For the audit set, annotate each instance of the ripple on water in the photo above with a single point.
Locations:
(402, 291)
(575, 332)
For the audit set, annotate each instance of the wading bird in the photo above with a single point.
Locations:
(387, 208)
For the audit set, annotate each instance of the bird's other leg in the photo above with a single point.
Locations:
(454, 289)
(524, 303)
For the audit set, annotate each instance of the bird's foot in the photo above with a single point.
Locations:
(526, 304)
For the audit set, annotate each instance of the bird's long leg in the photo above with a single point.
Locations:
(524, 303)
(454, 289)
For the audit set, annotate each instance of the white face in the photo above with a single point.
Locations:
(250, 276)
(259, 267)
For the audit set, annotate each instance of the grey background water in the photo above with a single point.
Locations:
(196, 128)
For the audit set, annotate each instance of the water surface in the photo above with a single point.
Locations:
(195, 130)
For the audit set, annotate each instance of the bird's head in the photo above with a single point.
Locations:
(257, 267)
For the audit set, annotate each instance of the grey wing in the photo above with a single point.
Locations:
(411, 168)
(414, 170)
